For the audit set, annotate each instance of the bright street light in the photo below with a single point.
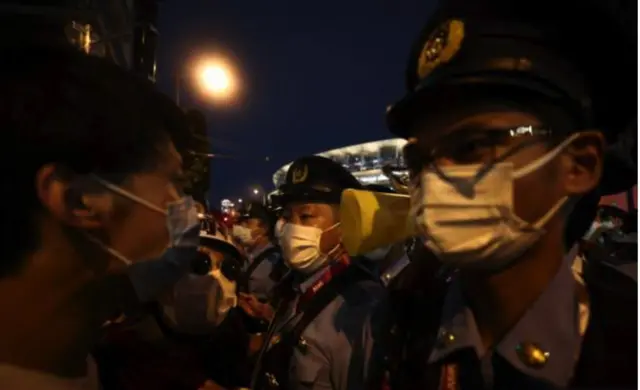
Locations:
(239, 200)
(217, 79)
(256, 191)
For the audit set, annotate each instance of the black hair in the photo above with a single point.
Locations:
(82, 113)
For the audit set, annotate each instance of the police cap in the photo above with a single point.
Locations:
(275, 204)
(578, 54)
(256, 210)
(316, 179)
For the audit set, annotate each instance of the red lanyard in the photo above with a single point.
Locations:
(449, 377)
(334, 269)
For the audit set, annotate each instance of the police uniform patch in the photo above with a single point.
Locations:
(300, 174)
(441, 46)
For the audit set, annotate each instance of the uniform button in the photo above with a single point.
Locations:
(303, 345)
(275, 339)
(532, 354)
(445, 338)
(271, 380)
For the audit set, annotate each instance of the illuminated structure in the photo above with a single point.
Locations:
(121, 30)
(364, 161)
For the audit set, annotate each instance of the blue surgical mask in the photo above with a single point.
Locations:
(182, 219)
(154, 276)
(150, 278)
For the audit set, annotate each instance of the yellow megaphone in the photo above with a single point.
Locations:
(371, 220)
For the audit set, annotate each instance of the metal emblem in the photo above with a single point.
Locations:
(82, 36)
(303, 345)
(445, 338)
(275, 339)
(271, 380)
(532, 354)
(441, 46)
(300, 174)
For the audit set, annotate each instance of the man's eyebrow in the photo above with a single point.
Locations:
(178, 176)
(305, 208)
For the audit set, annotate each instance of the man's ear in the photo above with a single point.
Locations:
(70, 199)
(583, 162)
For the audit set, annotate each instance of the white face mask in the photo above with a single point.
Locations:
(301, 247)
(592, 229)
(608, 224)
(471, 223)
(242, 234)
(277, 230)
(200, 303)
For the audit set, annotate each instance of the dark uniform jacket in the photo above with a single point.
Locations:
(332, 349)
(262, 272)
(432, 342)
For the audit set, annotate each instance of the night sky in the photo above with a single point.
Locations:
(316, 76)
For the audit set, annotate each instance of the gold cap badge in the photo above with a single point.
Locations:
(441, 46)
(300, 174)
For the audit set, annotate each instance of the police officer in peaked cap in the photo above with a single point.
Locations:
(508, 110)
(254, 230)
(320, 337)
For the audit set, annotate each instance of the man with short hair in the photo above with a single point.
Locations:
(93, 186)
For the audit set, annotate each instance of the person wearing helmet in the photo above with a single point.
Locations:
(320, 337)
(187, 321)
(507, 113)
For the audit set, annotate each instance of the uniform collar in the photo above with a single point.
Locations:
(260, 250)
(309, 281)
(551, 324)
(394, 269)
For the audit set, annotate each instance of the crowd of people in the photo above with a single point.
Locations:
(509, 276)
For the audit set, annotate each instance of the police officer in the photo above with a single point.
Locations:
(507, 114)
(320, 336)
(255, 230)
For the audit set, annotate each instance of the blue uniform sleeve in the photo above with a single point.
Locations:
(349, 352)
(351, 358)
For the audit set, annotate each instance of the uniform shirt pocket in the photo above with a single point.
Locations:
(309, 371)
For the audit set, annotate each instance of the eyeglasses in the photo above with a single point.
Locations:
(473, 146)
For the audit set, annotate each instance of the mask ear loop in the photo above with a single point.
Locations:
(336, 248)
(114, 188)
(535, 165)
(109, 250)
(552, 211)
(539, 163)
(465, 186)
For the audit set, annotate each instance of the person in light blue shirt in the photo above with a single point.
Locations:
(322, 333)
